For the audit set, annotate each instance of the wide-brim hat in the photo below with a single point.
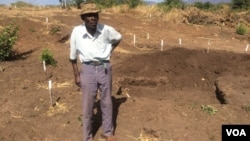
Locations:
(89, 7)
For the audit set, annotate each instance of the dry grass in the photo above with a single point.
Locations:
(36, 12)
(154, 10)
(55, 85)
(58, 108)
(119, 9)
(175, 15)
(64, 84)
(141, 9)
(122, 50)
(145, 137)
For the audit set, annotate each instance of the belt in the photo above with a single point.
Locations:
(96, 63)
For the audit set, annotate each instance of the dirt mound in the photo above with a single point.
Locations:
(181, 68)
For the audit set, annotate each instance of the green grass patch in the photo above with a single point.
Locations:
(208, 109)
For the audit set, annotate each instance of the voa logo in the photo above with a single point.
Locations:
(236, 132)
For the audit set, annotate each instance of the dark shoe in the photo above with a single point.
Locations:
(110, 138)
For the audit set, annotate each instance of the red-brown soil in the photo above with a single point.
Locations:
(157, 94)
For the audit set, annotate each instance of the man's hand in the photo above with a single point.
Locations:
(76, 72)
(77, 81)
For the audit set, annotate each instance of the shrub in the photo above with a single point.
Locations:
(240, 4)
(168, 5)
(22, 4)
(47, 56)
(133, 3)
(209, 109)
(246, 107)
(8, 38)
(208, 6)
(241, 29)
(54, 30)
(32, 29)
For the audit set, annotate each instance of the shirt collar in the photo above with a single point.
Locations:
(99, 29)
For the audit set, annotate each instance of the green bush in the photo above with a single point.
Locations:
(32, 29)
(208, 109)
(246, 107)
(167, 5)
(240, 4)
(208, 6)
(22, 4)
(47, 56)
(55, 29)
(8, 38)
(133, 3)
(241, 29)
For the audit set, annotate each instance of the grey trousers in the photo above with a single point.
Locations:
(92, 79)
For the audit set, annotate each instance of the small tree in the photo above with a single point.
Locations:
(241, 29)
(78, 3)
(198, 4)
(240, 4)
(206, 5)
(133, 3)
(8, 38)
(170, 4)
(47, 56)
(174, 3)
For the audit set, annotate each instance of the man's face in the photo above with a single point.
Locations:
(91, 20)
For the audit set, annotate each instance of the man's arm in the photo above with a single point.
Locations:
(76, 72)
(114, 45)
(73, 56)
(114, 37)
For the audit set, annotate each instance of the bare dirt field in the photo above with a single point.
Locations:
(161, 91)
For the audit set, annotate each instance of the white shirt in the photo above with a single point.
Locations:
(93, 48)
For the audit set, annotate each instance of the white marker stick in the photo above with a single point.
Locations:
(247, 47)
(127, 95)
(134, 39)
(180, 41)
(50, 84)
(50, 91)
(47, 21)
(44, 66)
(161, 45)
(208, 43)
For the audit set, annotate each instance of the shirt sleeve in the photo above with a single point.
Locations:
(114, 36)
(73, 51)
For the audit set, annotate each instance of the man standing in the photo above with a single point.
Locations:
(93, 43)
